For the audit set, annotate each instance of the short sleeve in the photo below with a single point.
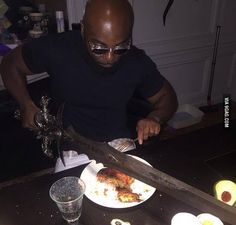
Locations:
(152, 80)
(36, 54)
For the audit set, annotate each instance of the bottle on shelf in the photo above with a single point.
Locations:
(60, 22)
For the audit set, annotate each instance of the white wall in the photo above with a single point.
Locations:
(183, 48)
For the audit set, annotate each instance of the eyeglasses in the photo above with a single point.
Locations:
(97, 49)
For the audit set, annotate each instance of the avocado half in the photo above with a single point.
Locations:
(225, 191)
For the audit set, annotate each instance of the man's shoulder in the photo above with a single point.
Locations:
(137, 52)
(140, 57)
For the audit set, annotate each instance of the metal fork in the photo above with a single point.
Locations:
(127, 143)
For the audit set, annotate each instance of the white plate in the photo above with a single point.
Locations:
(95, 190)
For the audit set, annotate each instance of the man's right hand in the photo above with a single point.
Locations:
(27, 116)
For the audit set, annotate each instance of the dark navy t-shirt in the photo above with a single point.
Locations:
(95, 98)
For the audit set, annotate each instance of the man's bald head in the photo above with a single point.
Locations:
(113, 15)
(107, 24)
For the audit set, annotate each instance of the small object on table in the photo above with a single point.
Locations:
(225, 191)
(68, 193)
(119, 222)
(209, 219)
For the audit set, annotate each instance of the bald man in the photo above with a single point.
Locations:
(95, 71)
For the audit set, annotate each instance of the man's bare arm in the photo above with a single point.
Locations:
(14, 71)
(164, 105)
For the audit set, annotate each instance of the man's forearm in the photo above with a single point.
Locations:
(163, 112)
(14, 72)
(16, 84)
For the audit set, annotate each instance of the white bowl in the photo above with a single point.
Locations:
(209, 219)
(184, 218)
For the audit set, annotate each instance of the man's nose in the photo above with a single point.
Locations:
(110, 57)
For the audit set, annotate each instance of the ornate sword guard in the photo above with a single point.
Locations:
(49, 128)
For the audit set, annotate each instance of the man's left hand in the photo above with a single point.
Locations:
(146, 128)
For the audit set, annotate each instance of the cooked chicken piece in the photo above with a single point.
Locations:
(121, 182)
(125, 195)
(115, 178)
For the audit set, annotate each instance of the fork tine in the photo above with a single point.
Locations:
(122, 147)
(125, 144)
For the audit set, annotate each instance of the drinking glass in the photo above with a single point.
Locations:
(67, 193)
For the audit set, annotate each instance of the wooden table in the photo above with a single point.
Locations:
(28, 203)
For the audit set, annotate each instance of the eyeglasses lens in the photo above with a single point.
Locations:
(101, 51)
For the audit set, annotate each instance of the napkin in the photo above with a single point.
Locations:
(72, 159)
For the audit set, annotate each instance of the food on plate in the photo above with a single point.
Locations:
(225, 191)
(121, 182)
(125, 195)
(115, 178)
